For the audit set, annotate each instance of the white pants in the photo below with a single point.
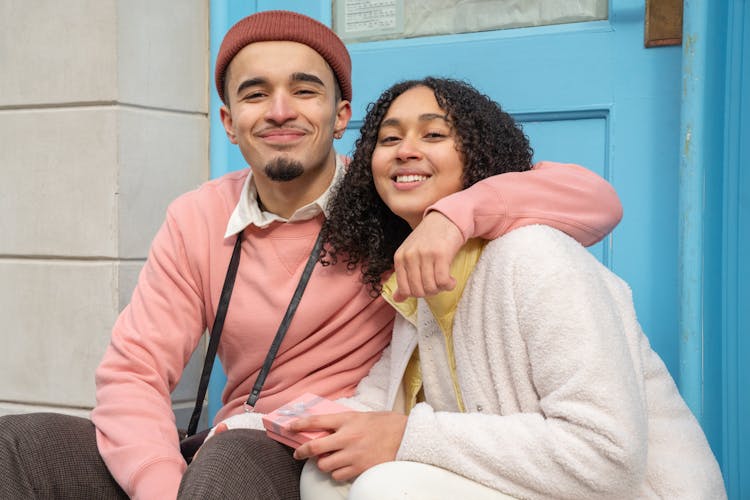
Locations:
(395, 480)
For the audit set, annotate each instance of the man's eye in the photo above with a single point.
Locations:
(253, 96)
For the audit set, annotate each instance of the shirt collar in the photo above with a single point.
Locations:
(247, 211)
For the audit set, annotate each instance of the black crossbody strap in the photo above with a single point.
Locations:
(213, 344)
(255, 393)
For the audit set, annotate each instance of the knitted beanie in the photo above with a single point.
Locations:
(282, 25)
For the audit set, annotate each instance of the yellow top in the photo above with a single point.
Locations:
(443, 308)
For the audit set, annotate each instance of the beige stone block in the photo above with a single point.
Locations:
(186, 389)
(55, 52)
(58, 182)
(151, 53)
(163, 55)
(184, 411)
(57, 316)
(94, 181)
(15, 409)
(127, 277)
(162, 155)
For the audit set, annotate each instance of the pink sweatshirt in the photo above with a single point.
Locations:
(335, 337)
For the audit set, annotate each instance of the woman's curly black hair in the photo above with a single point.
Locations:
(360, 229)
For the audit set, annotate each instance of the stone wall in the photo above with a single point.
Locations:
(103, 121)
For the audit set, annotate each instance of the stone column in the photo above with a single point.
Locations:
(103, 121)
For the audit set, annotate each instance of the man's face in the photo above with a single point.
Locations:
(283, 112)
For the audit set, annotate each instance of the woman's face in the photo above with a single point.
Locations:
(416, 161)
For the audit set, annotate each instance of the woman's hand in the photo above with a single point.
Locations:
(357, 441)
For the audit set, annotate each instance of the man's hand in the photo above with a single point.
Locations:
(423, 261)
(358, 441)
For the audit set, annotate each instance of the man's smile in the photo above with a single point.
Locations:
(282, 135)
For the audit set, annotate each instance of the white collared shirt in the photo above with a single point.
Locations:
(248, 211)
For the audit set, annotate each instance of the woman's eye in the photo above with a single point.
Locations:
(434, 135)
(389, 139)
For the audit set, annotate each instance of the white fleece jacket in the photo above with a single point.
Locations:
(565, 397)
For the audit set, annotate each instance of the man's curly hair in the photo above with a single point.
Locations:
(360, 229)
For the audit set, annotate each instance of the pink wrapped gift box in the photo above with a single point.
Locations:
(277, 422)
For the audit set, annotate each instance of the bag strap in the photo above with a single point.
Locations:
(213, 344)
(255, 392)
(221, 313)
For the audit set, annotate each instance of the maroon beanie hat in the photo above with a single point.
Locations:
(282, 25)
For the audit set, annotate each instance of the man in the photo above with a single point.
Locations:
(285, 80)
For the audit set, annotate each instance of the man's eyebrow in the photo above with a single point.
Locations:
(251, 82)
(306, 77)
(426, 117)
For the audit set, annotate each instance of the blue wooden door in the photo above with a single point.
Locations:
(587, 93)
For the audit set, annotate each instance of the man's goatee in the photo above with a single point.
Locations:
(283, 169)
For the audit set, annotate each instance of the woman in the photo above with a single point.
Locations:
(532, 378)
